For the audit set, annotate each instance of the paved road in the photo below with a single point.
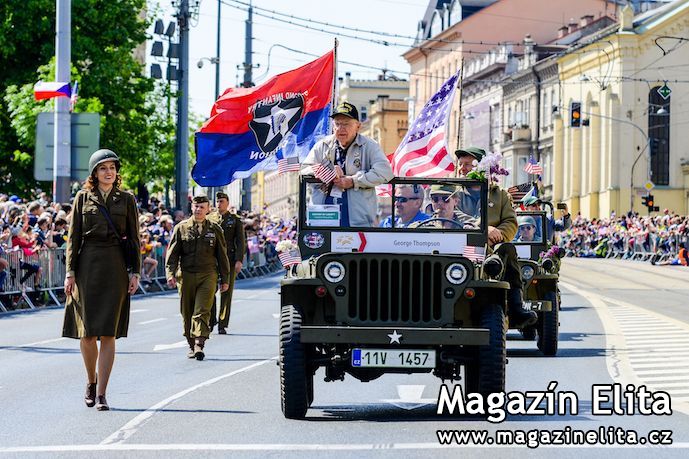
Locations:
(621, 322)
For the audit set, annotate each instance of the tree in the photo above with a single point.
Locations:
(105, 35)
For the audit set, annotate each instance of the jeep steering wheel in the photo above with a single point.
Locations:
(439, 219)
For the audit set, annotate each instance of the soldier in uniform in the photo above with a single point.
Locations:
(198, 249)
(233, 229)
(502, 227)
(97, 284)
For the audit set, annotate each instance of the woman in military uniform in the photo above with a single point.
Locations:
(98, 284)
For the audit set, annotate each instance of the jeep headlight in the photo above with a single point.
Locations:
(492, 267)
(334, 271)
(547, 264)
(456, 273)
(527, 272)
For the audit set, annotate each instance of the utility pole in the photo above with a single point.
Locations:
(248, 67)
(182, 141)
(62, 140)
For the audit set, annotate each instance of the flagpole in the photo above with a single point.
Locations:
(460, 84)
(334, 97)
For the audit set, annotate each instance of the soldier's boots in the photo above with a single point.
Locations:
(519, 316)
(198, 348)
(190, 353)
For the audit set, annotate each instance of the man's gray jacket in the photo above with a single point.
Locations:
(366, 164)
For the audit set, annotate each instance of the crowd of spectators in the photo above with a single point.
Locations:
(656, 236)
(32, 225)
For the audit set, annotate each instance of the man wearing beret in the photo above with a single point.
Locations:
(233, 230)
(360, 166)
(197, 247)
(502, 227)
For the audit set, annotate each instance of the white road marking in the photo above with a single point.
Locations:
(152, 321)
(135, 311)
(300, 447)
(130, 428)
(276, 316)
(47, 341)
(642, 359)
(165, 347)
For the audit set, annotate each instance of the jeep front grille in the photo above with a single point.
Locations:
(397, 290)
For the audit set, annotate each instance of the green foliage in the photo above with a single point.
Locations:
(105, 35)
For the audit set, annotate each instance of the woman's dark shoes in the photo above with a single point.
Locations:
(90, 396)
(102, 404)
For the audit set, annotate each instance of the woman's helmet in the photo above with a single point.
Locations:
(102, 156)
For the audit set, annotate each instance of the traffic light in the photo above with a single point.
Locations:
(649, 202)
(575, 114)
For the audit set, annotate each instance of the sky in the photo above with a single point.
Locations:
(392, 16)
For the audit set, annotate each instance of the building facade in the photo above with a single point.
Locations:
(387, 123)
(363, 93)
(629, 133)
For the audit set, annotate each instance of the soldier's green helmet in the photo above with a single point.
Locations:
(101, 156)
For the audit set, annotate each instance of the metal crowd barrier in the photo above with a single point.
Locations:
(657, 249)
(48, 282)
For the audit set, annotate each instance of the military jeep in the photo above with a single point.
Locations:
(540, 277)
(392, 296)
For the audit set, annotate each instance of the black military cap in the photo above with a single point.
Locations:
(221, 194)
(200, 199)
(346, 109)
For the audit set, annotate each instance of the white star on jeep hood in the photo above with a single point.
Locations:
(395, 337)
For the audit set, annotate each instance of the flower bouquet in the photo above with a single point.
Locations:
(489, 168)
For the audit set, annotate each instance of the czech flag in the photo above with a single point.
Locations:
(49, 89)
(250, 127)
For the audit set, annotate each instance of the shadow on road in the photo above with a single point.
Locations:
(390, 413)
(141, 410)
(561, 353)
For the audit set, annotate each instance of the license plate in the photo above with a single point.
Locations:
(537, 305)
(390, 358)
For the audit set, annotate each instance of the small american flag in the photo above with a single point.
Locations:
(519, 191)
(423, 151)
(532, 166)
(325, 172)
(289, 257)
(290, 164)
(474, 253)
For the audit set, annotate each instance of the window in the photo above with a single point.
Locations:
(659, 137)
(495, 124)
(522, 176)
(545, 110)
(455, 14)
(436, 24)
(363, 113)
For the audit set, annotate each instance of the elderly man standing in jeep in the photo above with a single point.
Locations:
(502, 227)
(359, 163)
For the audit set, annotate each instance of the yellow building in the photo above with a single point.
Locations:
(629, 134)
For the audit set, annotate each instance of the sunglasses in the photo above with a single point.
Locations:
(436, 199)
(527, 227)
(402, 199)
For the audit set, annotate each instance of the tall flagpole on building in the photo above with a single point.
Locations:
(333, 103)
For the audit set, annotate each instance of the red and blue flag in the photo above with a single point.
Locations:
(49, 89)
(250, 129)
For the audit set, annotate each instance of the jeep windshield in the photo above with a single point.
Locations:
(406, 216)
(403, 205)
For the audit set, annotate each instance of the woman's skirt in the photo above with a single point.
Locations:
(99, 304)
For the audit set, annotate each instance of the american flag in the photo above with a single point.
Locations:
(289, 257)
(519, 191)
(290, 164)
(324, 172)
(474, 253)
(423, 151)
(532, 166)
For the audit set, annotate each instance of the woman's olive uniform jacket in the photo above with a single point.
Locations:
(99, 306)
